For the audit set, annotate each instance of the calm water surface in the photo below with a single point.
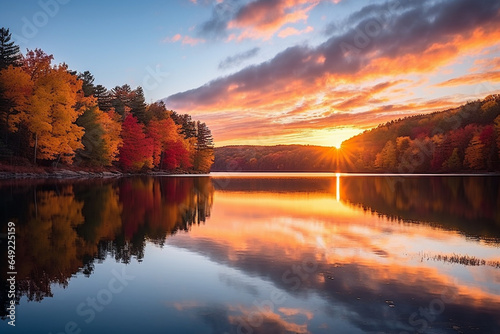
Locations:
(288, 253)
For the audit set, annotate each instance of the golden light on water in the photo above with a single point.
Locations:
(338, 186)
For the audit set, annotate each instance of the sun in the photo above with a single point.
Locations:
(333, 137)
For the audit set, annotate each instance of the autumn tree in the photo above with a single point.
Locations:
(488, 138)
(162, 133)
(157, 110)
(387, 159)
(402, 144)
(137, 150)
(454, 163)
(50, 116)
(110, 122)
(16, 87)
(441, 153)
(474, 154)
(177, 155)
(37, 64)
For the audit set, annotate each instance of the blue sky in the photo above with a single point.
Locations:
(119, 41)
(276, 71)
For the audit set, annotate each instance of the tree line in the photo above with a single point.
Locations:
(50, 115)
(285, 158)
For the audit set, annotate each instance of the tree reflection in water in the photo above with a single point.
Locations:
(63, 228)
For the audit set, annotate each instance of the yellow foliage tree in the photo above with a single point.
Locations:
(110, 123)
(50, 111)
(51, 116)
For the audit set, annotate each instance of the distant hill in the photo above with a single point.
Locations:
(274, 158)
(463, 139)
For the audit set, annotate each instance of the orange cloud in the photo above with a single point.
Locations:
(273, 322)
(472, 79)
(294, 311)
(290, 31)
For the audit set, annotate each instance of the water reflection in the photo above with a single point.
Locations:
(468, 204)
(63, 228)
(377, 258)
(280, 254)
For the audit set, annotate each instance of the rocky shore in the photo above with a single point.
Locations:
(72, 174)
(59, 174)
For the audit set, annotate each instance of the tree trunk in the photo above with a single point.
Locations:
(36, 144)
(57, 161)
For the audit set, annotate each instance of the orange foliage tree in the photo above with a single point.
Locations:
(16, 87)
(162, 132)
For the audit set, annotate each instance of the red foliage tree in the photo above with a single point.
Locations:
(176, 156)
(136, 152)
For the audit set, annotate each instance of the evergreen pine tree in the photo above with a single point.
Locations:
(93, 153)
(121, 96)
(204, 148)
(88, 83)
(9, 52)
(103, 98)
(138, 106)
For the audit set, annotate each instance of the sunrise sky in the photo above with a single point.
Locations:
(276, 71)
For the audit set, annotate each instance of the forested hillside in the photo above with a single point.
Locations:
(466, 138)
(52, 116)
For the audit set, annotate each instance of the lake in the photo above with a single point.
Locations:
(254, 253)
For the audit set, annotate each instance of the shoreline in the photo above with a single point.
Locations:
(109, 174)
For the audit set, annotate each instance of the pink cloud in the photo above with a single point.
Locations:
(192, 41)
(183, 39)
(262, 19)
